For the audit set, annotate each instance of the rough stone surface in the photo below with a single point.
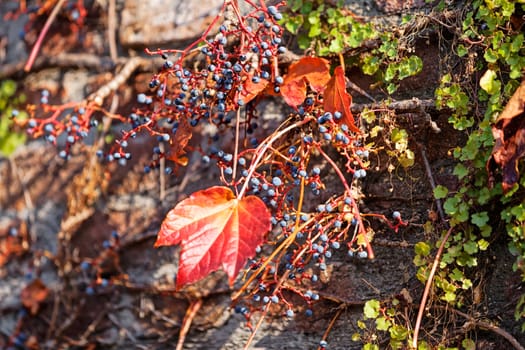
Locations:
(143, 25)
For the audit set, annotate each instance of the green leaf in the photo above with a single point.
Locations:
(422, 248)
(370, 64)
(451, 205)
(8, 88)
(406, 159)
(337, 44)
(423, 345)
(383, 324)
(470, 247)
(483, 244)
(489, 82)
(391, 88)
(304, 42)
(307, 7)
(480, 219)
(369, 346)
(460, 171)
(466, 283)
(440, 192)
(398, 332)
(456, 275)
(296, 5)
(371, 309)
(517, 43)
(315, 30)
(468, 344)
(486, 231)
(390, 72)
(461, 50)
(293, 24)
(449, 297)
(490, 56)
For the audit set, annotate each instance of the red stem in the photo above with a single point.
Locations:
(43, 33)
(362, 230)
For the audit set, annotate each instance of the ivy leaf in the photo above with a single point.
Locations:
(383, 324)
(480, 219)
(215, 230)
(440, 192)
(422, 248)
(509, 135)
(489, 82)
(470, 247)
(336, 99)
(460, 171)
(371, 309)
(313, 71)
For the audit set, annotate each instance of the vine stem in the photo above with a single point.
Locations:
(362, 231)
(282, 247)
(331, 325)
(236, 149)
(38, 43)
(427, 288)
(287, 242)
(192, 310)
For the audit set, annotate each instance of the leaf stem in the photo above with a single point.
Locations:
(236, 149)
(427, 287)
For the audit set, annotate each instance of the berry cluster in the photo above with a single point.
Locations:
(62, 125)
(241, 58)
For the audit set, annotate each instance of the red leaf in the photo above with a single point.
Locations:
(509, 135)
(312, 70)
(250, 89)
(336, 99)
(216, 230)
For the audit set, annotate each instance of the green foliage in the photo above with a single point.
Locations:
(486, 45)
(330, 29)
(9, 139)
(475, 209)
(327, 29)
(450, 95)
(384, 323)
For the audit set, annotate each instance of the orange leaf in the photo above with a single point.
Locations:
(294, 92)
(216, 230)
(33, 295)
(336, 99)
(509, 135)
(180, 141)
(250, 89)
(312, 70)
(13, 245)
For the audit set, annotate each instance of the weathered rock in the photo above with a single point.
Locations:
(143, 24)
